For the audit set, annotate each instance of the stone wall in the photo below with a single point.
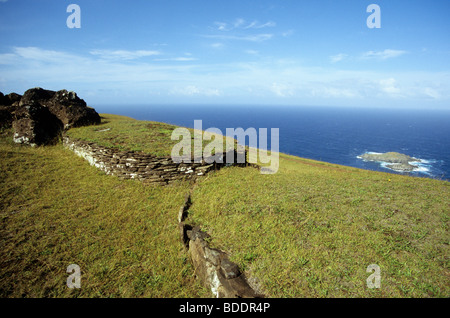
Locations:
(144, 167)
(212, 266)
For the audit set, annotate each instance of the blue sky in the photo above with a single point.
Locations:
(281, 52)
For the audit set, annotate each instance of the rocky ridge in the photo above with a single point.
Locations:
(39, 116)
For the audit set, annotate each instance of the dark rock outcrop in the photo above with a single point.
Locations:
(8, 104)
(40, 115)
(36, 125)
(2, 99)
(71, 110)
(36, 96)
(6, 117)
(11, 99)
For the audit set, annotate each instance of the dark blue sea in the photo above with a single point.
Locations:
(331, 134)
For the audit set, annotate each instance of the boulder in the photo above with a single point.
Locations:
(67, 106)
(40, 115)
(2, 99)
(35, 125)
(6, 117)
(36, 96)
(11, 99)
(72, 110)
(7, 108)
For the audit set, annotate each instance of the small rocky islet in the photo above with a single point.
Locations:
(397, 161)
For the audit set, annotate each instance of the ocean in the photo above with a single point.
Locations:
(332, 134)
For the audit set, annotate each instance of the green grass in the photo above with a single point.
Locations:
(127, 134)
(56, 210)
(309, 230)
(312, 229)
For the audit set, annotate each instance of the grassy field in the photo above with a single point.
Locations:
(309, 230)
(125, 133)
(56, 210)
(312, 229)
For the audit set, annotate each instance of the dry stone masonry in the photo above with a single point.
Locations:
(212, 266)
(137, 165)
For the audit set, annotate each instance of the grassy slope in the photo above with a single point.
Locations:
(57, 210)
(310, 230)
(125, 133)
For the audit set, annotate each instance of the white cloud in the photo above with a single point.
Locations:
(335, 92)
(383, 55)
(177, 59)
(251, 38)
(369, 55)
(123, 54)
(257, 25)
(193, 90)
(282, 90)
(251, 52)
(8, 58)
(389, 86)
(431, 92)
(287, 33)
(38, 54)
(242, 24)
(217, 45)
(338, 57)
(221, 26)
(238, 23)
(337, 85)
(39, 66)
(267, 81)
(239, 30)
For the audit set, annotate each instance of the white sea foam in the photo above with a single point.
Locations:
(369, 153)
(424, 166)
(420, 168)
